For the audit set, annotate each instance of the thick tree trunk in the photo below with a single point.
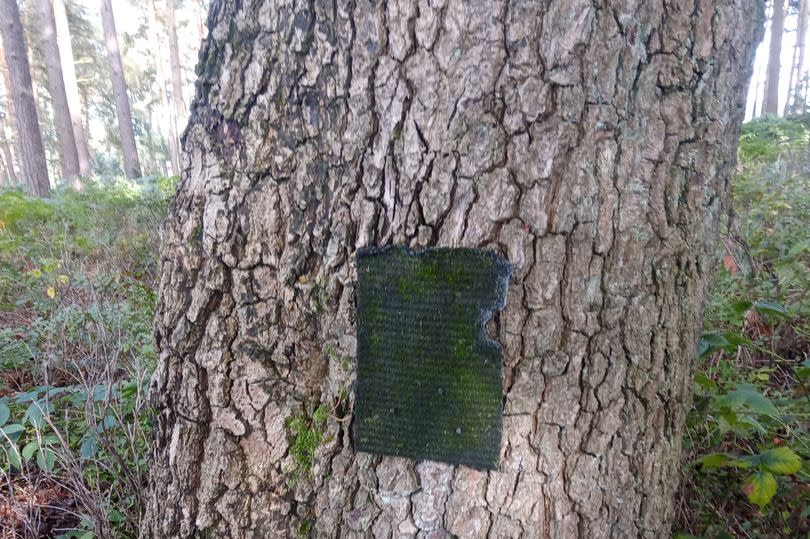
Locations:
(180, 112)
(132, 165)
(33, 166)
(591, 144)
(71, 85)
(68, 155)
(770, 103)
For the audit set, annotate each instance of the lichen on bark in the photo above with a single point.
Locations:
(590, 143)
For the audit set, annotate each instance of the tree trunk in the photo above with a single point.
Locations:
(173, 142)
(68, 155)
(174, 57)
(794, 104)
(71, 85)
(8, 157)
(770, 103)
(8, 118)
(33, 167)
(132, 165)
(591, 146)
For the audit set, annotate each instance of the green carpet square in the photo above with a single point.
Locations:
(428, 378)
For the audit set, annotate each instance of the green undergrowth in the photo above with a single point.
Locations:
(77, 280)
(747, 449)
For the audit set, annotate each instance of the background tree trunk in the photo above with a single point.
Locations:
(174, 57)
(71, 85)
(173, 142)
(770, 103)
(132, 165)
(592, 146)
(8, 157)
(68, 155)
(11, 116)
(8, 118)
(33, 167)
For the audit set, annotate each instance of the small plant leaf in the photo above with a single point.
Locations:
(34, 414)
(705, 382)
(760, 488)
(46, 459)
(89, 447)
(14, 457)
(781, 460)
(29, 450)
(720, 460)
(14, 428)
(4, 413)
(710, 341)
(747, 396)
(771, 308)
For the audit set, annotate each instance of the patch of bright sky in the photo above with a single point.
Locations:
(756, 88)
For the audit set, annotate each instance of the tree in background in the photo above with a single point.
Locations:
(770, 102)
(68, 154)
(33, 165)
(8, 121)
(5, 149)
(593, 147)
(180, 111)
(71, 85)
(795, 100)
(162, 81)
(132, 165)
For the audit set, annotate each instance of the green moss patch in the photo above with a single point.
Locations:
(428, 378)
(308, 435)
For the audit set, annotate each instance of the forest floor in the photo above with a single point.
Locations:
(78, 276)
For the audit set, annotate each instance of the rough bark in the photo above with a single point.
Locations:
(590, 143)
(132, 165)
(770, 102)
(71, 86)
(33, 167)
(68, 155)
(180, 112)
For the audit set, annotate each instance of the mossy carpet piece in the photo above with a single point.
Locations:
(428, 377)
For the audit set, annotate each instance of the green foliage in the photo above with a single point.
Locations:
(747, 433)
(77, 275)
(769, 137)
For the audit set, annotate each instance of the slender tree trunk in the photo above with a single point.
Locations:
(801, 47)
(174, 147)
(770, 103)
(32, 154)
(11, 115)
(591, 146)
(8, 157)
(71, 86)
(132, 165)
(68, 155)
(174, 57)
(201, 10)
(8, 118)
(180, 113)
(5, 177)
(795, 83)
